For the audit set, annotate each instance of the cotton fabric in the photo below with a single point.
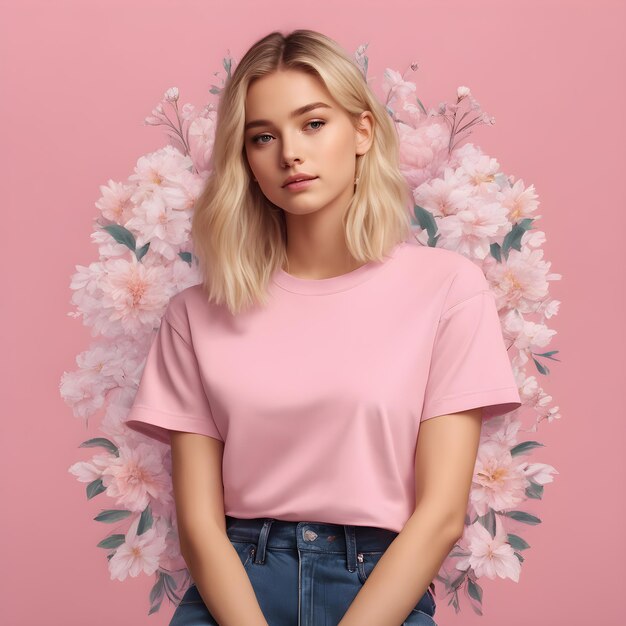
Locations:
(318, 397)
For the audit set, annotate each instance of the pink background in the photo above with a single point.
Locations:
(78, 79)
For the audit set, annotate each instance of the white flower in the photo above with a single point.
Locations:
(171, 95)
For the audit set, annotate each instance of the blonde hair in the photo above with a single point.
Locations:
(238, 235)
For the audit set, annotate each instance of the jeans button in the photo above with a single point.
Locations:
(309, 535)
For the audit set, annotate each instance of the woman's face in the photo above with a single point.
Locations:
(320, 142)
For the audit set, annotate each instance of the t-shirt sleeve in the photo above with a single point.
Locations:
(171, 395)
(469, 366)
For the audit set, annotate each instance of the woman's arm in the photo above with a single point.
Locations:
(444, 466)
(211, 558)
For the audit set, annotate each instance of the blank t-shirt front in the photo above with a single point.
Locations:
(319, 395)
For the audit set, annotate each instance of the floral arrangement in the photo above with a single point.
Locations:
(462, 202)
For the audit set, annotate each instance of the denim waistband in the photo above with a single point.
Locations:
(312, 536)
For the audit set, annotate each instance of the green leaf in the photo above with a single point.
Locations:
(185, 256)
(513, 239)
(94, 488)
(548, 355)
(112, 542)
(156, 594)
(121, 235)
(496, 252)
(458, 552)
(522, 516)
(454, 600)
(145, 521)
(428, 223)
(525, 446)
(455, 582)
(111, 516)
(517, 543)
(227, 64)
(534, 490)
(488, 520)
(541, 368)
(170, 584)
(476, 608)
(475, 591)
(154, 609)
(142, 251)
(103, 442)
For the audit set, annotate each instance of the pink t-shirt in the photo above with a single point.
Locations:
(318, 397)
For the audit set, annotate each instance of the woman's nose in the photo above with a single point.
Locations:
(290, 152)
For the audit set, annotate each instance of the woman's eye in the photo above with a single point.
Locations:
(258, 137)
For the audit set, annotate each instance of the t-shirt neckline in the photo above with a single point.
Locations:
(320, 286)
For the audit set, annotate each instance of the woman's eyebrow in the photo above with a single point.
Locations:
(301, 111)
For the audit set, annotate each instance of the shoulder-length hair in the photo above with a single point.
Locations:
(238, 235)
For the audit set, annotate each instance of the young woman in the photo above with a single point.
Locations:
(293, 381)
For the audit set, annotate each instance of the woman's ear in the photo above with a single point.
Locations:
(364, 132)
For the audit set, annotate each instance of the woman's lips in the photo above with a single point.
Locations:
(301, 184)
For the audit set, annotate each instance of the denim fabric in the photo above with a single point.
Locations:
(303, 573)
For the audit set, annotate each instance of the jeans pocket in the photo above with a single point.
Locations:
(424, 610)
(245, 550)
(423, 613)
(191, 610)
(365, 563)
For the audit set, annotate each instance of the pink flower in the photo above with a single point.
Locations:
(471, 231)
(423, 151)
(489, 556)
(88, 471)
(201, 137)
(482, 171)
(394, 86)
(444, 195)
(156, 169)
(115, 203)
(84, 390)
(499, 480)
(171, 95)
(521, 282)
(540, 472)
(502, 429)
(156, 222)
(139, 553)
(521, 202)
(133, 294)
(137, 476)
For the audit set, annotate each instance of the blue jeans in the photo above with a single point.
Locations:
(303, 573)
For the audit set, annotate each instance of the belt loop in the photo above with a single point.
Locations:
(350, 547)
(265, 530)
